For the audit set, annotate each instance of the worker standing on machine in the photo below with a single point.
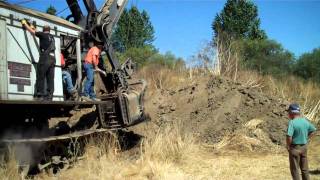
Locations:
(67, 79)
(91, 65)
(46, 63)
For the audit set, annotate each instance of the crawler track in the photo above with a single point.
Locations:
(53, 153)
(50, 150)
(56, 138)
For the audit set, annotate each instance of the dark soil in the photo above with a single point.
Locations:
(217, 107)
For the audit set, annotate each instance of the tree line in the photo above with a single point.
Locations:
(239, 23)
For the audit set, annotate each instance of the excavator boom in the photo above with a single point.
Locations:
(99, 23)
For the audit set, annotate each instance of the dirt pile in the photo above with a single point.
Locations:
(223, 113)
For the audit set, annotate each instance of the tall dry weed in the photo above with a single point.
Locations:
(294, 89)
(177, 145)
(291, 88)
(9, 168)
(162, 77)
(158, 156)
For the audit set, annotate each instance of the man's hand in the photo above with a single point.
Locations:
(23, 22)
(310, 136)
(32, 27)
(100, 71)
(289, 142)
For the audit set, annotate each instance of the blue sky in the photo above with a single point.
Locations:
(183, 26)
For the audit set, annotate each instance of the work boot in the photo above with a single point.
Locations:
(95, 99)
(74, 94)
(86, 98)
(39, 98)
(48, 98)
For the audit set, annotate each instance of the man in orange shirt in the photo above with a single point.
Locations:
(91, 65)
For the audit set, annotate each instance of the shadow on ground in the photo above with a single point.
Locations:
(315, 172)
(128, 140)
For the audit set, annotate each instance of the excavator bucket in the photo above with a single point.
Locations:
(125, 107)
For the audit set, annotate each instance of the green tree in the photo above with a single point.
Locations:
(266, 56)
(237, 33)
(168, 60)
(308, 65)
(134, 30)
(51, 10)
(238, 19)
(139, 55)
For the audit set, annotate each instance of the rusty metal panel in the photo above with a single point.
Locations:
(3, 61)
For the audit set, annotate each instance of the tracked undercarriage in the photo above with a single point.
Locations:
(54, 144)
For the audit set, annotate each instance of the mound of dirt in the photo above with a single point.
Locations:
(224, 113)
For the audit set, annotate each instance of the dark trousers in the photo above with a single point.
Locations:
(45, 72)
(298, 160)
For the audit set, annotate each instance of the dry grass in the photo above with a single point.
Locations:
(248, 138)
(162, 78)
(172, 154)
(292, 89)
(312, 113)
(9, 167)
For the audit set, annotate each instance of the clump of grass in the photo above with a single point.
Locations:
(170, 144)
(9, 168)
(248, 138)
(312, 113)
(162, 77)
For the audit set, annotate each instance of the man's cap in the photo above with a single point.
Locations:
(294, 108)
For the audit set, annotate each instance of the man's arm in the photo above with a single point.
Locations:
(94, 62)
(289, 142)
(290, 132)
(311, 134)
(29, 28)
(312, 130)
(96, 68)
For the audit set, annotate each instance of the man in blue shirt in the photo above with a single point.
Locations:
(299, 132)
